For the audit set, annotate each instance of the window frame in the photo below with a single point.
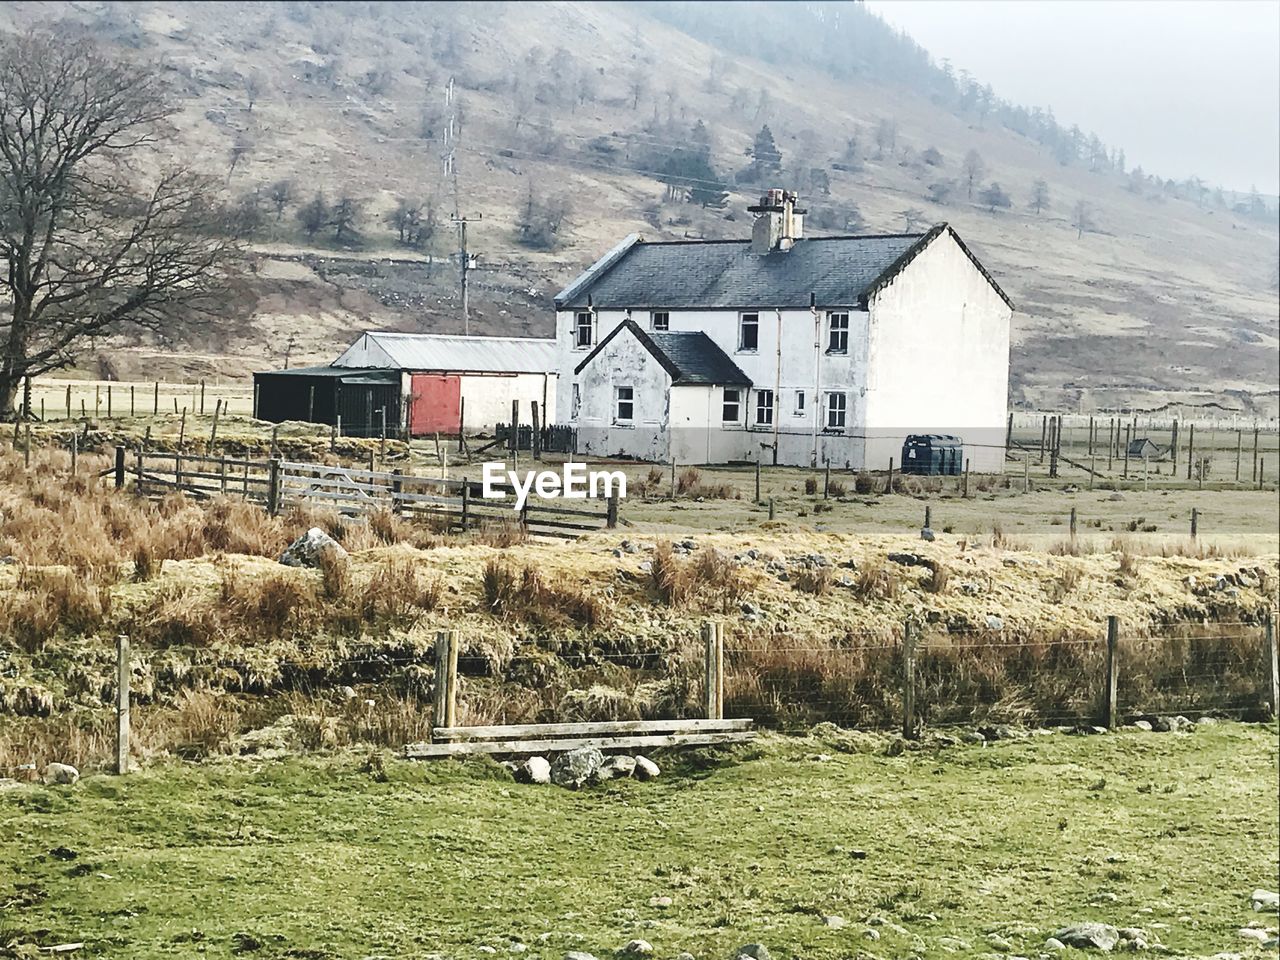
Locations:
(799, 409)
(579, 326)
(653, 320)
(737, 405)
(760, 406)
(831, 408)
(834, 334)
(742, 327)
(618, 401)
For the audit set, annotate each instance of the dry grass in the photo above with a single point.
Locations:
(522, 593)
(815, 580)
(877, 581)
(937, 579)
(47, 602)
(710, 579)
(689, 484)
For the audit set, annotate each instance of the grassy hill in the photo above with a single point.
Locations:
(562, 113)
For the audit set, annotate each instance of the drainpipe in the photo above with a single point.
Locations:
(777, 388)
(816, 406)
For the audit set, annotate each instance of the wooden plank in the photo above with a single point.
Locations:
(602, 728)
(428, 751)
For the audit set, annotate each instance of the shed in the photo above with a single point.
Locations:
(1141, 448)
(449, 381)
(361, 397)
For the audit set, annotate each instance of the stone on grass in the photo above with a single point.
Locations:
(617, 768)
(534, 770)
(636, 948)
(999, 943)
(485, 948)
(1264, 900)
(1053, 943)
(576, 768)
(61, 773)
(660, 902)
(1089, 936)
(871, 933)
(1253, 933)
(1172, 724)
(646, 769)
(754, 951)
(833, 921)
(1143, 725)
(578, 955)
(926, 534)
(994, 622)
(307, 550)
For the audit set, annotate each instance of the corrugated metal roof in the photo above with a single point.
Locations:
(728, 274)
(445, 352)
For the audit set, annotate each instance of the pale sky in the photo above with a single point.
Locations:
(1184, 86)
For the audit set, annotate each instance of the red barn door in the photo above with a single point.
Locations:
(435, 404)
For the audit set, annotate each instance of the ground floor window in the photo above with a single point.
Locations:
(799, 408)
(836, 406)
(732, 405)
(625, 404)
(764, 408)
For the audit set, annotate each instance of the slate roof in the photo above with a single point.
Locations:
(690, 357)
(451, 353)
(728, 275)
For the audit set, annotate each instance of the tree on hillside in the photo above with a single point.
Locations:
(1082, 218)
(91, 244)
(766, 158)
(886, 137)
(1040, 195)
(345, 218)
(932, 156)
(541, 219)
(638, 84)
(240, 148)
(252, 90)
(993, 195)
(403, 218)
(910, 218)
(314, 215)
(974, 168)
(941, 192)
(280, 194)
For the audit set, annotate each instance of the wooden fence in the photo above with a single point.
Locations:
(278, 484)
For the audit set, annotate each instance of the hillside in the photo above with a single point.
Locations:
(561, 112)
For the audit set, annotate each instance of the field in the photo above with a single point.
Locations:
(333, 857)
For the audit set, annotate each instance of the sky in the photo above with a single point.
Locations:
(1183, 86)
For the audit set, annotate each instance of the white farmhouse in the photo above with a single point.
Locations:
(785, 349)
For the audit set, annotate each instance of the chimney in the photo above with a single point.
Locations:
(778, 223)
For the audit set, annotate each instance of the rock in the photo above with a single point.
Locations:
(1264, 900)
(575, 768)
(834, 922)
(61, 773)
(755, 951)
(578, 955)
(629, 547)
(871, 933)
(485, 948)
(1089, 936)
(307, 550)
(994, 622)
(617, 768)
(953, 944)
(1252, 933)
(534, 770)
(1117, 496)
(973, 736)
(348, 693)
(999, 943)
(660, 902)
(1173, 725)
(636, 948)
(907, 559)
(1002, 731)
(1053, 943)
(1143, 725)
(1129, 933)
(516, 947)
(645, 769)
(926, 534)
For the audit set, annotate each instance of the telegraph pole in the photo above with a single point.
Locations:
(464, 259)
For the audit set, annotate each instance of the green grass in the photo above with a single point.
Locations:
(317, 858)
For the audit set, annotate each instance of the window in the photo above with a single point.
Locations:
(764, 408)
(625, 405)
(583, 328)
(838, 326)
(576, 402)
(732, 405)
(660, 320)
(799, 410)
(835, 411)
(749, 332)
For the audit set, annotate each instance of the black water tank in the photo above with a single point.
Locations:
(935, 454)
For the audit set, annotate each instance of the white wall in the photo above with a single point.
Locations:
(624, 362)
(487, 398)
(938, 358)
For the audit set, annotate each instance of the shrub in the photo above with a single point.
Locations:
(876, 581)
(938, 577)
(815, 580)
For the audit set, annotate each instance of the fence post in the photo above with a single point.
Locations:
(68, 401)
(1195, 522)
(928, 517)
(535, 438)
(1239, 450)
(75, 451)
(1191, 446)
(611, 516)
(1044, 431)
(273, 486)
(26, 442)
(446, 679)
(757, 481)
(140, 487)
(119, 467)
(1273, 664)
(709, 679)
(826, 479)
(466, 491)
(1113, 675)
(109, 401)
(1026, 473)
(202, 398)
(888, 487)
(967, 462)
(515, 428)
(397, 488)
(673, 478)
(213, 431)
(908, 682)
(1073, 523)
(122, 704)
(771, 508)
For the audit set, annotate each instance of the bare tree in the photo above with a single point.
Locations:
(911, 217)
(974, 169)
(252, 90)
(941, 191)
(1040, 196)
(345, 217)
(280, 194)
(241, 147)
(1082, 218)
(638, 84)
(314, 215)
(886, 137)
(993, 196)
(89, 246)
